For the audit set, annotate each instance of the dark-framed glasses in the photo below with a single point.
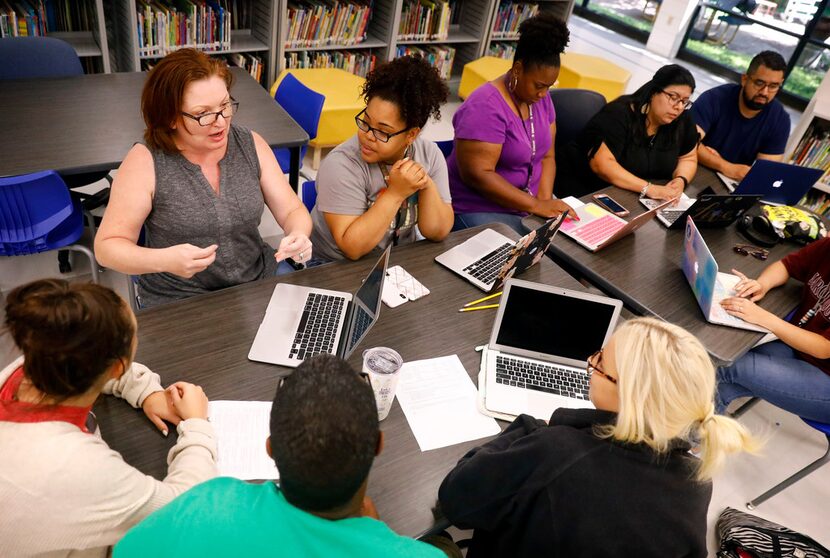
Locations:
(209, 118)
(591, 368)
(771, 86)
(750, 250)
(676, 99)
(380, 135)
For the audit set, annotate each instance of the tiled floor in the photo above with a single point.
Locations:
(790, 443)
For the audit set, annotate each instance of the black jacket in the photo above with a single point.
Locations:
(559, 490)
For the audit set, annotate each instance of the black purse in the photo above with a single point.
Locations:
(760, 538)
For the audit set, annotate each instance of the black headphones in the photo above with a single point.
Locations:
(758, 230)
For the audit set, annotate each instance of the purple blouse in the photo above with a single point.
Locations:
(487, 116)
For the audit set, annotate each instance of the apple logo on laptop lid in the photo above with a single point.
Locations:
(777, 183)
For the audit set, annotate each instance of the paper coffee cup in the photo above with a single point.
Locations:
(382, 365)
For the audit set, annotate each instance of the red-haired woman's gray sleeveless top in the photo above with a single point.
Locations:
(186, 210)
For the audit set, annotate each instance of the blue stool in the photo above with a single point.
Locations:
(824, 429)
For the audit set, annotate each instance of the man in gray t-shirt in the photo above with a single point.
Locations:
(349, 186)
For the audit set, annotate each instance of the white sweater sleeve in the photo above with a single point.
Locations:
(134, 385)
(96, 497)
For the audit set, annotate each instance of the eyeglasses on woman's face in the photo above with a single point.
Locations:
(676, 99)
(380, 135)
(209, 118)
(592, 368)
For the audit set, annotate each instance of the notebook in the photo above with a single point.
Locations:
(709, 210)
(489, 258)
(301, 322)
(598, 228)
(778, 183)
(708, 285)
(539, 348)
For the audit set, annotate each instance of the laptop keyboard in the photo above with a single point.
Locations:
(672, 215)
(599, 230)
(542, 377)
(485, 269)
(318, 326)
(361, 324)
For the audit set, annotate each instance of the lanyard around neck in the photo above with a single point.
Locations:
(532, 135)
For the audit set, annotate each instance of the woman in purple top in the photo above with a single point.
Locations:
(502, 165)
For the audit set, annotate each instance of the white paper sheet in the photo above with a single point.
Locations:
(439, 401)
(241, 430)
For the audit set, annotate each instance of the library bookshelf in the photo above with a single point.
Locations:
(810, 145)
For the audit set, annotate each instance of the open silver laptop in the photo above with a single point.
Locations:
(489, 258)
(708, 285)
(539, 347)
(301, 322)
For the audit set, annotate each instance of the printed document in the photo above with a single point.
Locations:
(241, 430)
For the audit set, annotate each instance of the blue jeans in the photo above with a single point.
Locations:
(773, 372)
(467, 220)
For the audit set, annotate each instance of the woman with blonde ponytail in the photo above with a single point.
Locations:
(618, 480)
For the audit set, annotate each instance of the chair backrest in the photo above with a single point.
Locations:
(574, 108)
(37, 57)
(445, 146)
(308, 194)
(304, 105)
(31, 206)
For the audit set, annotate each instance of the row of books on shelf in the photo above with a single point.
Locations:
(22, 18)
(424, 20)
(327, 22)
(502, 50)
(166, 26)
(817, 202)
(251, 62)
(357, 62)
(439, 56)
(509, 17)
(814, 151)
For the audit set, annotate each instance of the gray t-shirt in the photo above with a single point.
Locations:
(348, 185)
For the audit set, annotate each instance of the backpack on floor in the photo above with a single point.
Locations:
(745, 535)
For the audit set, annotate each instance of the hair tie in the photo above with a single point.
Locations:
(709, 417)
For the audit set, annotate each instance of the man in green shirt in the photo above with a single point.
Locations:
(324, 437)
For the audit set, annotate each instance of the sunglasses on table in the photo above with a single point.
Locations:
(750, 250)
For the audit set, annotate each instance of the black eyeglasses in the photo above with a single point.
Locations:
(771, 86)
(750, 250)
(380, 135)
(676, 99)
(208, 118)
(592, 368)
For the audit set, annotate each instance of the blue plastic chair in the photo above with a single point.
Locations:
(824, 429)
(37, 214)
(308, 194)
(305, 106)
(445, 146)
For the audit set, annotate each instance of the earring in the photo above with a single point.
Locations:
(514, 81)
(644, 108)
(407, 152)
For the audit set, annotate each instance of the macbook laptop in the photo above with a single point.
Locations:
(777, 183)
(709, 210)
(539, 348)
(708, 285)
(301, 322)
(597, 228)
(489, 258)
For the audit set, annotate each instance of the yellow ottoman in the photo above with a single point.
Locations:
(478, 72)
(582, 71)
(343, 102)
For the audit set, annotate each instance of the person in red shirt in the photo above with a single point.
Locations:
(792, 372)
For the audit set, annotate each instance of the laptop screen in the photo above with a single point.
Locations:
(554, 323)
(366, 305)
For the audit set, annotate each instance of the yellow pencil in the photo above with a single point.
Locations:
(485, 307)
(494, 295)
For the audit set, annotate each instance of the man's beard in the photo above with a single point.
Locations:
(752, 104)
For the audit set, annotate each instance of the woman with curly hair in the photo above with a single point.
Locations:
(373, 189)
(502, 166)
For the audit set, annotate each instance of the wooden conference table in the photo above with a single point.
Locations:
(643, 270)
(205, 340)
(88, 123)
